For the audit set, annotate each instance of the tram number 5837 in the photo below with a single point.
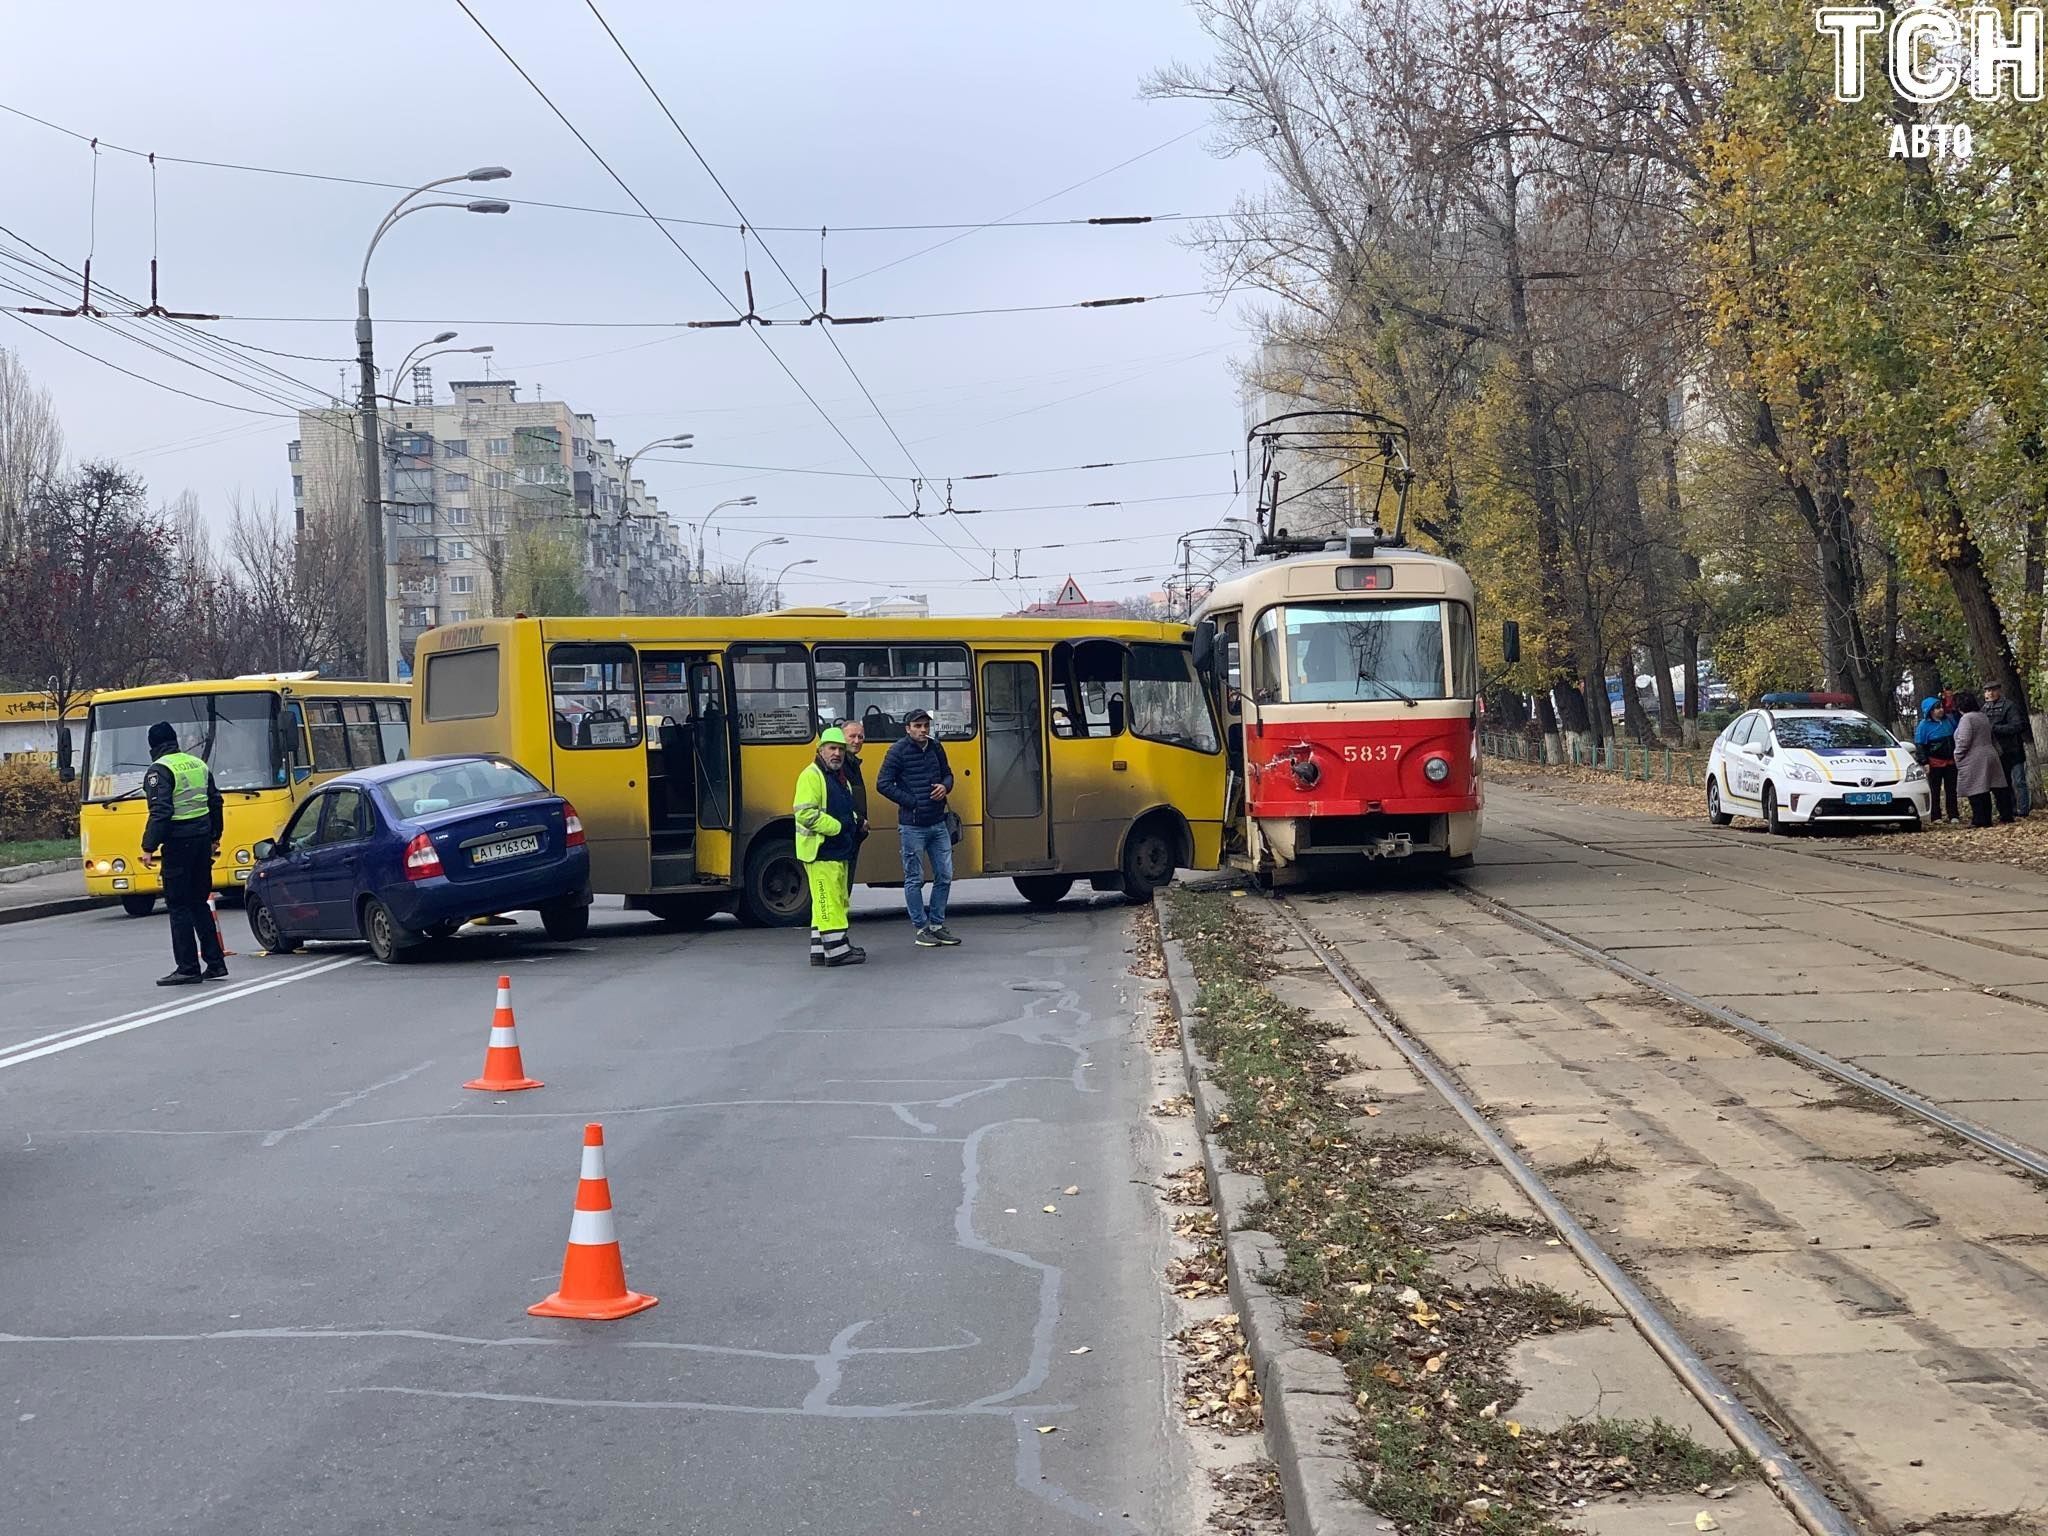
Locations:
(1383, 753)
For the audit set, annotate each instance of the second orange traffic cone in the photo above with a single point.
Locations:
(503, 1070)
(593, 1268)
(213, 913)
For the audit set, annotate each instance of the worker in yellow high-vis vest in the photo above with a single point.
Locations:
(185, 822)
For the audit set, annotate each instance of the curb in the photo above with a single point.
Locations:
(18, 872)
(1307, 1401)
(55, 907)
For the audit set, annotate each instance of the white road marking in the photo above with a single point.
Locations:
(86, 1034)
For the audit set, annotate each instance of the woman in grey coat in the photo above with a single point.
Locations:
(1980, 778)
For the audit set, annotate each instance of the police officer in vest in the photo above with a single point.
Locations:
(185, 822)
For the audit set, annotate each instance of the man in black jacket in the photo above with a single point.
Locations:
(2009, 731)
(185, 822)
(918, 778)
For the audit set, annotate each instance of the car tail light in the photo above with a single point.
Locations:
(421, 861)
(572, 826)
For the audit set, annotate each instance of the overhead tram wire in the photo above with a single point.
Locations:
(669, 235)
(142, 378)
(796, 291)
(1098, 221)
(997, 474)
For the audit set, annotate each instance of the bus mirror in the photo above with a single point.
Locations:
(1205, 646)
(1510, 641)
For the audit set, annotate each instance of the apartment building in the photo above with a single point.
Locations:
(466, 478)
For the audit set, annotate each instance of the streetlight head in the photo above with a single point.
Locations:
(778, 541)
(444, 336)
(683, 440)
(748, 501)
(488, 173)
(480, 349)
(489, 205)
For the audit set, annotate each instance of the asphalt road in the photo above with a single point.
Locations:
(265, 1265)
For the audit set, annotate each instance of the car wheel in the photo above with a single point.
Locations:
(391, 943)
(687, 911)
(1916, 824)
(1151, 853)
(138, 906)
(1777, 827)
(1044, 891)
(1715, 813)
(777, 892)
(264, 930)
(566, 920)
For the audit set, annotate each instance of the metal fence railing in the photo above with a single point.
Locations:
(1650, 765)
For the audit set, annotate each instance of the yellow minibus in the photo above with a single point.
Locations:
(1081, 749)
(268, 739)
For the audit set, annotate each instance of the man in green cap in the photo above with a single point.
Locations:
(827, 832)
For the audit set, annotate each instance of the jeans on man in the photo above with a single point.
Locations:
(918, 844)
(187, 864)
(2022, 792)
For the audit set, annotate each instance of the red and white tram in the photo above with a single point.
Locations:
(1348, 678)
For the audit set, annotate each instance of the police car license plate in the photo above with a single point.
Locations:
(1868, 797)
(510, 848)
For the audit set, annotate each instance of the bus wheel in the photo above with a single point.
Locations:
(138, 906)
(1150, 855)
(777, 893)
(686, 911)
(1044, 890)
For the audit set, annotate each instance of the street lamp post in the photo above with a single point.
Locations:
(747, 564)
(377, 647)
(737, 501)
(673, 440)
(784, 572)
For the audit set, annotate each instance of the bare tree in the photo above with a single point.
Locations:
(303, 590)
(31, 446)
(87, 597)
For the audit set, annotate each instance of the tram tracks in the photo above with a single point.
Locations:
(1919, 1309)
(1800, 1493)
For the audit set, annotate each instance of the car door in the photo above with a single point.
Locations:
(338, 846)
(287, 883)
(1753, 760)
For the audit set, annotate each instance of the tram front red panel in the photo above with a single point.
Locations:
(1355, 767)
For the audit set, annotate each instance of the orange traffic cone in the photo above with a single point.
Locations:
(213, 911)
(503, 1070)
(593, 1269)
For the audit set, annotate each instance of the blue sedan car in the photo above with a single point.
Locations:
(412, 850)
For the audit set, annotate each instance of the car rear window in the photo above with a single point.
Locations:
(450, 786)
(1820, 731)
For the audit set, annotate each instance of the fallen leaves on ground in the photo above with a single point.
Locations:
(1188, 1187)
(1218, 1389)
(1593, 786)
(1198, 1274)
(1248, 1501)
(1180, 1104)
(1196, 1226)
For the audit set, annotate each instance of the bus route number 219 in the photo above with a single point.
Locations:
(1384, 752)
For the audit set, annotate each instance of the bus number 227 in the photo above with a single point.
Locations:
(1373, 754)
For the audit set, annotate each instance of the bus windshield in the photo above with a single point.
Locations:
(231, 731)
(1347, 651)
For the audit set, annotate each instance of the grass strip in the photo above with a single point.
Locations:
(1438, 1447)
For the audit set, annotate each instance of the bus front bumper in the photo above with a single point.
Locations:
(103, 879)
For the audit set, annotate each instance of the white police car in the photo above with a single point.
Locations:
(1791, 764)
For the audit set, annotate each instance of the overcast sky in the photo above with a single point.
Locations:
(811, 114)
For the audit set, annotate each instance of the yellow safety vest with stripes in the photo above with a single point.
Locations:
(188, 785)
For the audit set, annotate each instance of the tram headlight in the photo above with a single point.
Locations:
(1436, 770)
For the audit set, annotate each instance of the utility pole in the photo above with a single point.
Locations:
(376, 642)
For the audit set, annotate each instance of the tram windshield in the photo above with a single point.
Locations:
(1310, 653)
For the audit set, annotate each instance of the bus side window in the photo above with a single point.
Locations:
(294, 734)
(596, 695)
(330, 737)
(394, 730)
(365, 744)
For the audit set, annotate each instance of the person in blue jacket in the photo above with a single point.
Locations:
(916, 775)
(1935, 739)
